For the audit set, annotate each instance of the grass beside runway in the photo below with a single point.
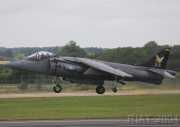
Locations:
(88, 107)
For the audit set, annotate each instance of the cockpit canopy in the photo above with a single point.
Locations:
(42, 55)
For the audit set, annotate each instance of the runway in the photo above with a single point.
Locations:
(90, 123)
(87, 93)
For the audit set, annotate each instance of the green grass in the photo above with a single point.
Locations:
(88, 107)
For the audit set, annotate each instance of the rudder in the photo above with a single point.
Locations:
(159, 60)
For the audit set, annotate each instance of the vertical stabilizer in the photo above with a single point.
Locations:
(159, 60)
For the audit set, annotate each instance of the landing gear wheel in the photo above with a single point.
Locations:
(100, 89)
(114, 90)
(57, 89)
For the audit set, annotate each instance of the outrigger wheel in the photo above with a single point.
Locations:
(115, 89)
(100, 89)
(57, 88)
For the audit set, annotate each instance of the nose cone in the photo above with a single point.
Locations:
(41, 66)
(15, 65)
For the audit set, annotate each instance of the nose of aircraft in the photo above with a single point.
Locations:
(15, 65)
(41, 66)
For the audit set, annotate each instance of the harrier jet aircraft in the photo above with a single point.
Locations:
(91, 71)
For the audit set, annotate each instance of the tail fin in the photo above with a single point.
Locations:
(159, 60)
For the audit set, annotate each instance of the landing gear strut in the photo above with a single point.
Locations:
(114, 88)
(57, 88)
(100, 89)
(115, 84)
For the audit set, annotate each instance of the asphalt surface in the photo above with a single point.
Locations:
(91, 123)
(87, 93)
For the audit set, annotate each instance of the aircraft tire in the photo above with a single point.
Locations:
(100, 90)
(114, 90)
(57, 89)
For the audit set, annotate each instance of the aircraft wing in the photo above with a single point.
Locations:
(98, 65)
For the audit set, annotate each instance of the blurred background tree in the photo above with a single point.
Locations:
(72, 49)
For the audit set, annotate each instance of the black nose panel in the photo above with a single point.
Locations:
(35, 66)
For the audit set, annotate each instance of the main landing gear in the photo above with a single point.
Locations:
(57, 88)
(100, 89)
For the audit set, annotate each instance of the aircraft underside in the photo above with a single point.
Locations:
(99, 81)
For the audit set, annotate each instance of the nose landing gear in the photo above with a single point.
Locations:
(57, 88)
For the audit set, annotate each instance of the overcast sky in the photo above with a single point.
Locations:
(92, 23)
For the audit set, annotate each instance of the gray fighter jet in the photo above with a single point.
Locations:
(90, 71)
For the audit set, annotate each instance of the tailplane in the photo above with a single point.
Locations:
(159, 60)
